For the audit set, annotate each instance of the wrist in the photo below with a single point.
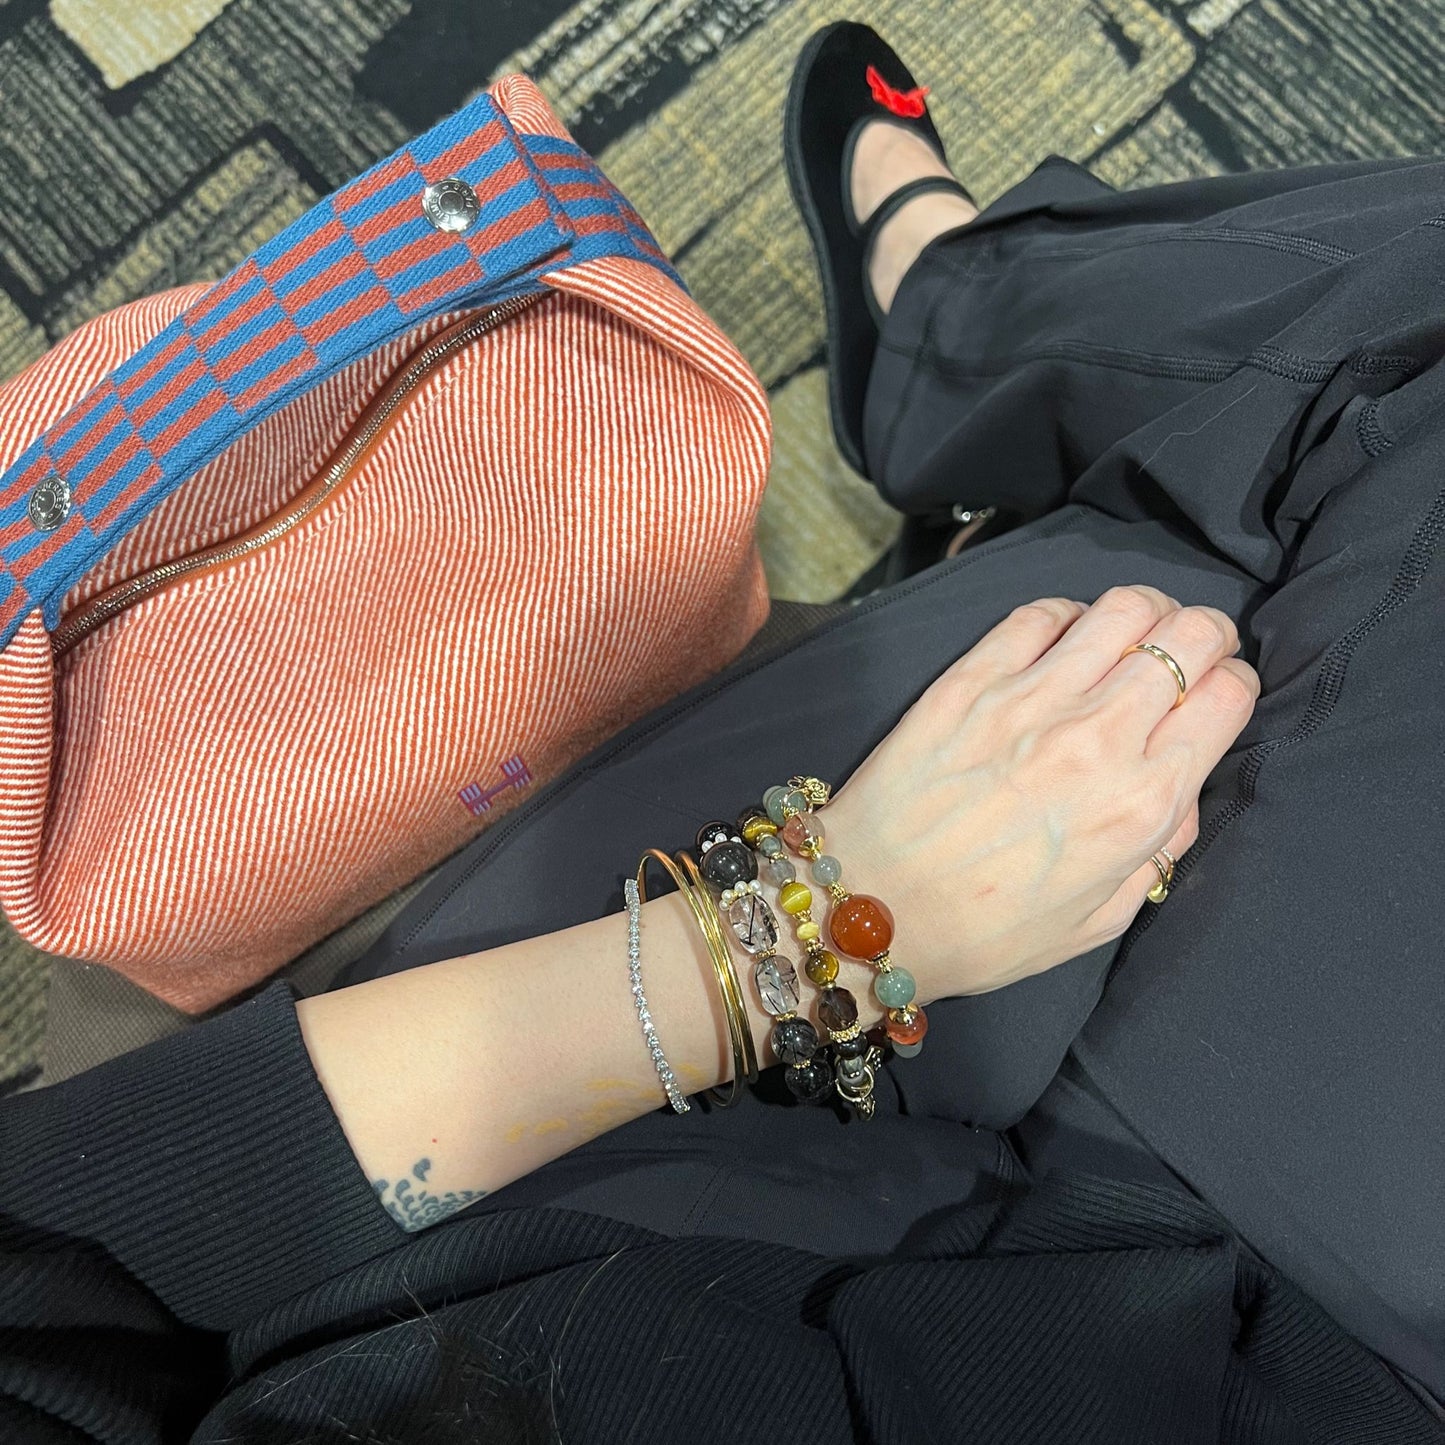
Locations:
(885, 876)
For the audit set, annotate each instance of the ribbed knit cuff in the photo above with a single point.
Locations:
(211, 1165)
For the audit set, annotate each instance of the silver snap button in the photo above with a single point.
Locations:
(50, 503)
(451, 205)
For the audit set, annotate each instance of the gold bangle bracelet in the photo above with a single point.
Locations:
(739, 1034)
(745, 1057)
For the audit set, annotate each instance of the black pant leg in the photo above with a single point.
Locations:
(1256, 362)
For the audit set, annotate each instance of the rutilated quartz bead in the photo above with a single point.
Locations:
(809, 1081)
(754, 922)
(794, 1040)
(777, 983)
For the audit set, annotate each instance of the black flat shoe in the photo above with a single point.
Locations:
(846, 77)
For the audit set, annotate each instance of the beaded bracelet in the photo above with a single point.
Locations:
(730, 867)
(855, 1060)
(745, 1065)
(859, 926)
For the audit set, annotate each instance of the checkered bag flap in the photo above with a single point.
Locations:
(308, 575)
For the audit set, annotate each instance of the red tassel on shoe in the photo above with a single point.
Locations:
(907, 103)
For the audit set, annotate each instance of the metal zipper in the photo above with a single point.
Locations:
(97, 610)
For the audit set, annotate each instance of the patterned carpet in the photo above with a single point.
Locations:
(147, 144)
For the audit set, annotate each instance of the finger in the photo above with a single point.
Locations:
(1109, 921)
(1145, 685)
(1091, 647)
(1015, 644)
(1197, 734)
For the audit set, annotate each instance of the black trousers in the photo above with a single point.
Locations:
(1233, 390)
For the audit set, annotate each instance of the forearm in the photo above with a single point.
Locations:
(458, 1077)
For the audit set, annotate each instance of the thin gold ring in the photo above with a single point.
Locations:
(1160, 891)
(1174, 668)
(1170, 859)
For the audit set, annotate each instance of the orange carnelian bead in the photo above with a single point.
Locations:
(861, 927)
(909, 1033)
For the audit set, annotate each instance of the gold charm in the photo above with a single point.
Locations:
(815, 790)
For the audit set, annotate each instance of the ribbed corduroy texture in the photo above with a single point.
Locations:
(205, 1182)
(555, 535)
(209, 1221)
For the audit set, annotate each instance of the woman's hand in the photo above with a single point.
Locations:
(1009, 818)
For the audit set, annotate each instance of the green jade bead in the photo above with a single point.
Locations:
(908, 1051)
(895, 989)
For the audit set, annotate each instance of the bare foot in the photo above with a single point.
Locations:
(886, 157)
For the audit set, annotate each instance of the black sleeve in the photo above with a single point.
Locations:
(162, 1198)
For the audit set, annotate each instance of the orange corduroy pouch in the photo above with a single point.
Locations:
(308, 576)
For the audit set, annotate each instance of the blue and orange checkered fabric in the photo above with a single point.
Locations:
(358, 270)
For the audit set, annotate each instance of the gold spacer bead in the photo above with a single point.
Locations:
(843, 1035)
(839, 892)
(756, 829)
(883, 963)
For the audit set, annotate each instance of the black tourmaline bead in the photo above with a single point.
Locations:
(809, 1081)
(838, 1009)
(851, 1048)
(795, 1041)
(709, 831)
(725, 865)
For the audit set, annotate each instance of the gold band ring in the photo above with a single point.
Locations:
(1170, 859)
(1174, 668)
(1160, 891)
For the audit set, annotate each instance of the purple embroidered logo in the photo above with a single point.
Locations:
(478, 799)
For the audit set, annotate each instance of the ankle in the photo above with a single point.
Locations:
(905, 236)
